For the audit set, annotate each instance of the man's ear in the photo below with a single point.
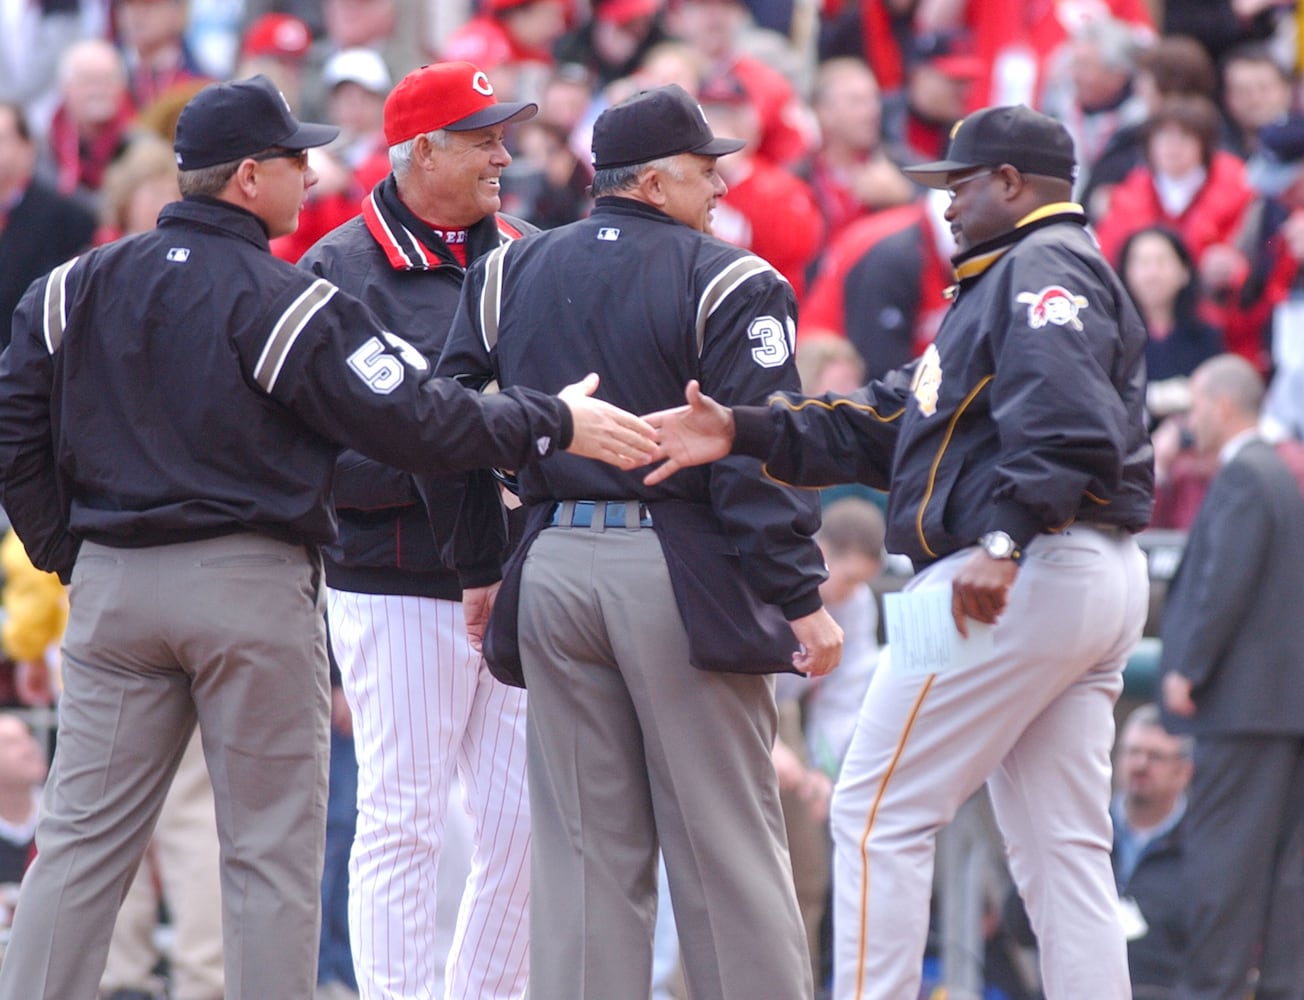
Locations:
(651, 184)
(245, 179)
(421, 151)
(1014, 181)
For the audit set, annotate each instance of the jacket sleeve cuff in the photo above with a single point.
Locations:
(1016, 521)
(803, 606)
(482, 575)
(753, 433)
(566, 427)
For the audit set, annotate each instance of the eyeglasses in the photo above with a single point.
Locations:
(1150, 756)
(954, 189)
(299, 156)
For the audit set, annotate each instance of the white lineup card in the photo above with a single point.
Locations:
(922, 637)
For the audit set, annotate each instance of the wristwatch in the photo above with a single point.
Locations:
(999, 545)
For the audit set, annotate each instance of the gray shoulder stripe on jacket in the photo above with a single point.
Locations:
(491, 296)
(722, 285)
(56, 305)
(287, 329)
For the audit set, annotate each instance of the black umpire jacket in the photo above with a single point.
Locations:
(184, 384)
(649, 303)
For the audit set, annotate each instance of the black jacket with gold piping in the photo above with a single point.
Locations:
(1025, 414)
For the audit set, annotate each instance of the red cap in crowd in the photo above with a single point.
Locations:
(277, 35)
(723, 88)
(949, 52)
(624, 11)
(454, 95)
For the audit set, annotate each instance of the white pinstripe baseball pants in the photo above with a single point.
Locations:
(423, 704)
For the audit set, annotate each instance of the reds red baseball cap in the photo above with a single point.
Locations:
(278, 35)
(453, 95)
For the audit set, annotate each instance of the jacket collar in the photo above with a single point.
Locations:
(979, 257)
(216, 214)
(614, 204)
(411, 245)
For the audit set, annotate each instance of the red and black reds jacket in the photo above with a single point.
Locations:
(1025, 414)
(648, 303)
(184, 384)
(397, 530)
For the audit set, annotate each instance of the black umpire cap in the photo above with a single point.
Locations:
(225, 122)
(1027, 140)
(652, 124)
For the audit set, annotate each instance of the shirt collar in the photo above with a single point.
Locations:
(1233, 446)
(1146, 837)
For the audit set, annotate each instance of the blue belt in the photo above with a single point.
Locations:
(600, 513)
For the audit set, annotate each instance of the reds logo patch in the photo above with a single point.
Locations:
(1053, 304)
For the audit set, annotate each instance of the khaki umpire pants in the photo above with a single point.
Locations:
(229, 631)
(181, 861)
(630, 747)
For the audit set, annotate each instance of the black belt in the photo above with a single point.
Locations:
(602, 513)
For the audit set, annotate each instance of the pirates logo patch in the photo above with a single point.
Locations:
(1053, 304)
(927, 384)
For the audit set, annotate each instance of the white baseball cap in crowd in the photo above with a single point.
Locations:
(361, 66)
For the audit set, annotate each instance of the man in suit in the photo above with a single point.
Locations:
(39, 228)
(1233, 676)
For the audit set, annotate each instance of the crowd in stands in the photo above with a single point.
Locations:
(1188, 119)
(1188, 126)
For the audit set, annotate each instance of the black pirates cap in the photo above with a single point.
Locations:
(1027, 140)
(652, 124)
(229, 121)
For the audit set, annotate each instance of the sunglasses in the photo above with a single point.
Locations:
(299, 156)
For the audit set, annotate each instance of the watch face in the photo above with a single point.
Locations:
(998, 544)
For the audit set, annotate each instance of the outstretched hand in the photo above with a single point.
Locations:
(606, 432)
(690, 435)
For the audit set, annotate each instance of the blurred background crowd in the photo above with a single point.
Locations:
(1188, 118)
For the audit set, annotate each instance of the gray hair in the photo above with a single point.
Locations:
(615, 179)
(1117, 42)
(208, 181)
(1147, 716)
(400, 155)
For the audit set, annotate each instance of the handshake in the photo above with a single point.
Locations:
(699, 432)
